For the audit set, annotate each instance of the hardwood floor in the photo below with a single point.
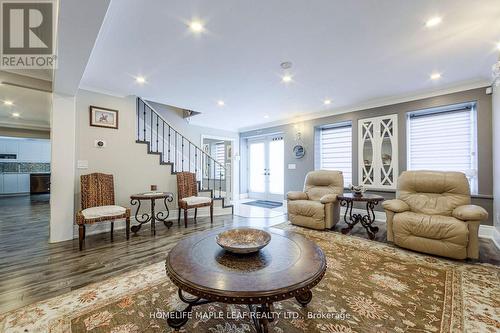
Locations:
(31, 269)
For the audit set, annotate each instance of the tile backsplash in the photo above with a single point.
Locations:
(24, 167)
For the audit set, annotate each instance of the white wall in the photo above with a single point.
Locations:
(133, 168)
(63, 128)
(496, 160)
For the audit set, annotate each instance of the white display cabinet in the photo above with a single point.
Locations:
(378, 152)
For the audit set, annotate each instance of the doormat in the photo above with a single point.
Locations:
(264, 203)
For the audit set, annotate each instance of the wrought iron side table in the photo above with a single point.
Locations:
(154, 216)
(347, 200)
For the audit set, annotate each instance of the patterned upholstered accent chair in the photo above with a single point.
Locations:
(98, 204)
(317, 206)
(187, 197)
(432, 214)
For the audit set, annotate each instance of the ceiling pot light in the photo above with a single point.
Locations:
(286, 65)
(433, 21)
(8, 103)
(196, 26)
(286, 78)
(140, 79)
(327, 102)
(435, 76)
(498, 46)
(16, 115)
(266, 116)
(221, 103)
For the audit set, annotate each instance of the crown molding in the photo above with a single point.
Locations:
(27, 126)
(468, 85)
(101, 91)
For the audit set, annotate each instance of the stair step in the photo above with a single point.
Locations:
(199, 153)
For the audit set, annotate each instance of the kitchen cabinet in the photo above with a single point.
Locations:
(46, 152)
(8, 146)
(23, 183)
(378, 152)
(10, 183)
(28, 150)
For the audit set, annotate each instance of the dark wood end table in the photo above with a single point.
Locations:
(347, 200)
(154, 216)
(289, 266)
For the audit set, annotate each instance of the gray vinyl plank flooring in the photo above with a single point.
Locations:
(31, 269)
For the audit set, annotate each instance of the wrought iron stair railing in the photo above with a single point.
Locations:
(180, 153)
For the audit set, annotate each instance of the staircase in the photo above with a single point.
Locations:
(178, 152)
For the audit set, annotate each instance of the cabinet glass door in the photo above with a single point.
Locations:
(367, 174)
(386, 139)
(378, 162)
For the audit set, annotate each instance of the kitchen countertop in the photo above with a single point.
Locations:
(24, 173)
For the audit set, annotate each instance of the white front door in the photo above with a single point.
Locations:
(266, 168)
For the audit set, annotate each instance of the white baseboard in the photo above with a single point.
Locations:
(485, 231)
(490, 232)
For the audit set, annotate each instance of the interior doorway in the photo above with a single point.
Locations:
(220, 175)
(266, 179)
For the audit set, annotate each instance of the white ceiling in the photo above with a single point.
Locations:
(348, 51)
(32, 105)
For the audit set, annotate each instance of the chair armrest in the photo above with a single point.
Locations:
(470, 213)
(396, 206)
(296, 195)
(328, 198)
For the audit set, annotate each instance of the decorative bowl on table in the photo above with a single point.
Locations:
(358, 189)
(243, 240)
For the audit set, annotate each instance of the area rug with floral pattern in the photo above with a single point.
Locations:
(368, 287)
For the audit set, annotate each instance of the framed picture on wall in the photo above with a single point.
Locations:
(102, 117)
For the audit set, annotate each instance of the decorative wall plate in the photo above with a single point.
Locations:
(299, 151)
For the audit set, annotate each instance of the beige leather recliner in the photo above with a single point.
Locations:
(317, 206)
(432, 214)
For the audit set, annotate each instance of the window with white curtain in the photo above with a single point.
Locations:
(220, 158)
(444, 139)
(335, 149)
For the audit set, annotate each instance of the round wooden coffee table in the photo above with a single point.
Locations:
(289, 266)
(347, 200)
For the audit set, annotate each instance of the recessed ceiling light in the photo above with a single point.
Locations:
(221, 103)
(266, 116)
(327, 101)
(498, 46)
(433, 21)
(435, 76)
(16, 115)
(286, 78)
(140, 79)
(8, 103)
(286, 65)
(196, 26)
